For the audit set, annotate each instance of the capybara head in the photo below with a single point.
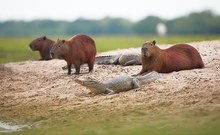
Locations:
(148, 48)
(59, 49)
(37, 43)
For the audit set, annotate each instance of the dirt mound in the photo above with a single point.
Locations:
(35, 90)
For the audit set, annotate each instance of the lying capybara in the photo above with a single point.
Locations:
(43, 45)
(176, 58)
(78, 50)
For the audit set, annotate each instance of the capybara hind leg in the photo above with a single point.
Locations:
(77, 69)
(90, 68)
(69, 68)
(91, 64)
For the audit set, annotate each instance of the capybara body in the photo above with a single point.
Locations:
(176, 58)
(78, 50)
(43, 45)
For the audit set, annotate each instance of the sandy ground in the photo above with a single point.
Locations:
(36, 90)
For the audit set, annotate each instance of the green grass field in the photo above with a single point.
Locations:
(13, 49)
(136, 122)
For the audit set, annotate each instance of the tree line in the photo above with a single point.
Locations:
(205, 22)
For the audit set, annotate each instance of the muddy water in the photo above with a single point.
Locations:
(10, 127)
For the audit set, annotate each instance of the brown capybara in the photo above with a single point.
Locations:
(78, 50)
(176, 58)
(43, 45)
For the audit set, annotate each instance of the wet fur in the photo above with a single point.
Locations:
(176, 58)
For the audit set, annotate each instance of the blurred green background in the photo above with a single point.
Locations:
(108, 33)
(13, 49)
(197, 23)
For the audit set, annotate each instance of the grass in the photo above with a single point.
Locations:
(13, 49)
(131, 123)
(105, 43)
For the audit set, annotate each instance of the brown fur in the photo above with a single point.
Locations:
(176, 58)
(78, 50)
(43, 45)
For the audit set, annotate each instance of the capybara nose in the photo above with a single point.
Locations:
(30, 46)
(144, 50)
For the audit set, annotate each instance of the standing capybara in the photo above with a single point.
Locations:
(78, 50)
(43, 45)
(176, 58)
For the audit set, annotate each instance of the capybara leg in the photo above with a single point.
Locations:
(90, 68)
(77, 69)
(42, 56)
(46, 56)
(91, 64)
(69, 68)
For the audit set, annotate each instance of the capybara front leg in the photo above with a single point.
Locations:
(69, 68)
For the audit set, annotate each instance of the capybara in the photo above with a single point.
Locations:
(43, 45)
(78, 50)
(176, 58)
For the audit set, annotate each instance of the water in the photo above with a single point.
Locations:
(9, 127)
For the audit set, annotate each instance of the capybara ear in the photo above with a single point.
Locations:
(154, 42)
(63, 41)
(58, 39)
(44, 37)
